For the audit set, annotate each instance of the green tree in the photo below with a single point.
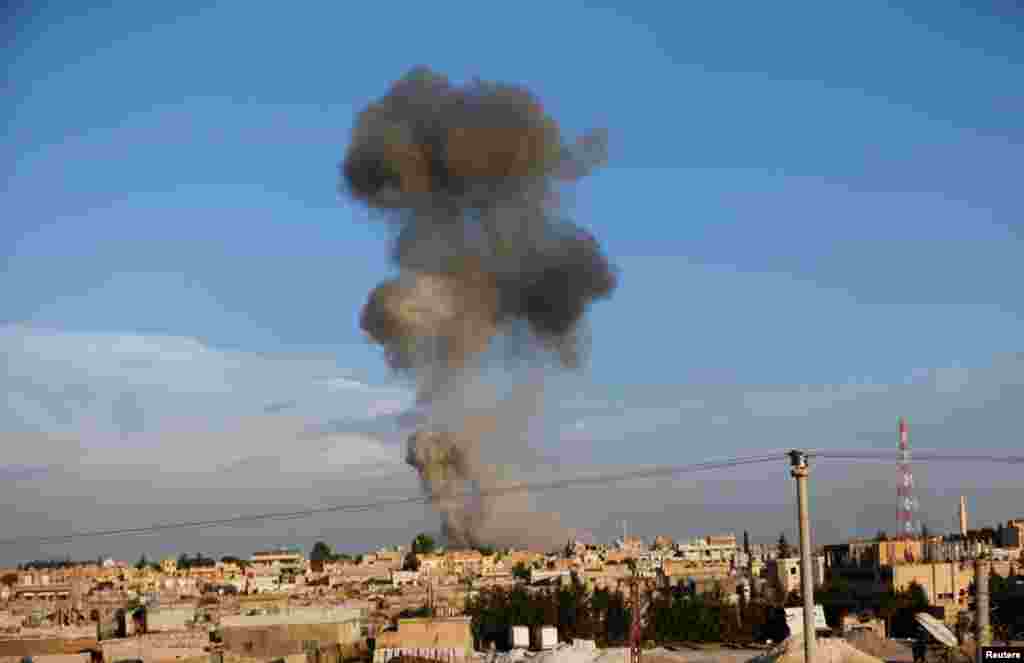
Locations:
(746, 543)
(881, 536)
(321, 552)
(423, 544)
(838, 599)
(231, 559)
(142, 563)
(616, 618)
(521, 572)
(785, 551)
(411, 562)
(888, 606)
(9, 579)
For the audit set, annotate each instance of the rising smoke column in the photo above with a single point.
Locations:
(467, 176)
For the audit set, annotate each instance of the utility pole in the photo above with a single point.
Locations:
(635, 631)
(981, 588)
(798, 459)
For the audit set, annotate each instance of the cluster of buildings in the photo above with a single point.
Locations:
(942, 565)
(390, 582)
(699, 563)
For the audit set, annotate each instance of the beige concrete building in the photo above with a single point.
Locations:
(463, 562)
(426, 634)
(785, 575)
(291, 561)
(945, 584)
(272, 641)
(661, 542)
(631, 544)
(721, 548)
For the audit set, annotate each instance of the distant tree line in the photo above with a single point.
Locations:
(198, 561)
(49, 564)
(604, 615)
(681, 614)
(322, 552)
(144, 563)
(1006, 599)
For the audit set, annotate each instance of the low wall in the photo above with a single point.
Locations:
(444, 655)
(49, 658)
(441, 634)
(44, 647)
(169, 619)
(285, 639)
(157, 647)
(311, 615)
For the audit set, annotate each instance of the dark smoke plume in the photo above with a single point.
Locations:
(468, 177)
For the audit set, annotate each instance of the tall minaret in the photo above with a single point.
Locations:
(906, 502)
(963, 516)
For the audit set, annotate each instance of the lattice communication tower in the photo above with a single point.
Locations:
(906, 521)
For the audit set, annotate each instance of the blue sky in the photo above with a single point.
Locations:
(797, 196)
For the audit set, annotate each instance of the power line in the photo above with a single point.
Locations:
(538, 487)
(924, 456)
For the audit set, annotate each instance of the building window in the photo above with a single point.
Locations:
(792, 571)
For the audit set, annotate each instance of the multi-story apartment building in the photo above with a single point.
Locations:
(709, 549)
(206, 574)
(432, 565)
(525, 557)
(463, 562)
(942, 566)
(591, 560)
(282, 560)
(404, 578)
(618, 556)
(44, 584)
(663, 542)
(784, 575)
(1014, 539)
(631, 544)
(394, 557)
(230, 570)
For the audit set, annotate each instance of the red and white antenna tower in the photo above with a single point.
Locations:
(907, 526)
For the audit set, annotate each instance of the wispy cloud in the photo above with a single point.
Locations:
(119, 386)
(190, 431)
(281, 406)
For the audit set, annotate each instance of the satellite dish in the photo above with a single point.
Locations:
(936, 629)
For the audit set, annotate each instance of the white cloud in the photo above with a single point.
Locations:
(191, 432)
(126, 388)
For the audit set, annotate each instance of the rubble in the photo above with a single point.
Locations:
(827, 650)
